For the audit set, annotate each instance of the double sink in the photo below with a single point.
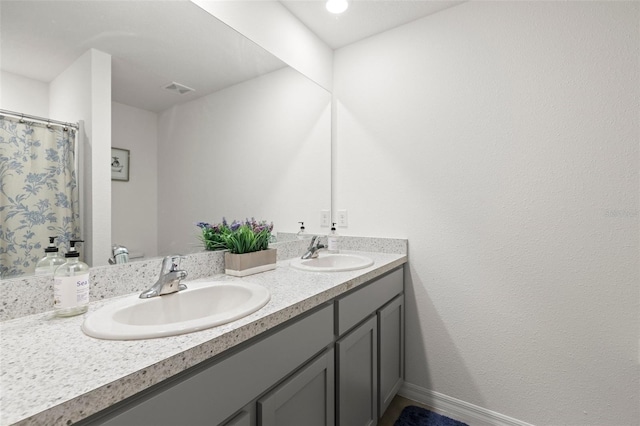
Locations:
(202, 305)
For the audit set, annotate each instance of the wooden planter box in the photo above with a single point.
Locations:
(241, 265)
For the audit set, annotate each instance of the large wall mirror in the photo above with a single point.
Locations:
(252, 139)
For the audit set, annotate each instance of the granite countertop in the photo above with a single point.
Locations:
(52, 373)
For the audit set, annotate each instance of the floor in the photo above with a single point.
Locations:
(395, 408)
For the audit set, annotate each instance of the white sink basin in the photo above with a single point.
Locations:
(202, 305)
(332, 262)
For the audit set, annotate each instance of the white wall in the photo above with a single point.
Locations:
(502, 138)
(134, 212)
(260, 148)
(22, 94)
(284, 36)
(83, 92)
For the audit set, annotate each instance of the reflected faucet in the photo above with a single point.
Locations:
(120, 254)
(314, 247)
(169, 281)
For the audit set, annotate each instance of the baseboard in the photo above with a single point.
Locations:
(457, 409)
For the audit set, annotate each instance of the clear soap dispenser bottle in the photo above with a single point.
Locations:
(301, 234)
(71, 284)
(51, 260)
(333, 240)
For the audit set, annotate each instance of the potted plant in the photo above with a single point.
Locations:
(247, 245)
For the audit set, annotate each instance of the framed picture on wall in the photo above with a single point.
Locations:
(120, 164)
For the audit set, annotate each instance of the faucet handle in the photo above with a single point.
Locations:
(175, 262)
(171, 263)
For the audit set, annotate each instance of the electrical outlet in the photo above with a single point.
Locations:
(325, 218)
(343, 220)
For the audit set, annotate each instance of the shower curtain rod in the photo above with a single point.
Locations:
(42, 119)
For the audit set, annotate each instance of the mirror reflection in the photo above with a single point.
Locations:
(251, 139)
(39, 193)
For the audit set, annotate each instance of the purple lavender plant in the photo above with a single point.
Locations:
(239, 237)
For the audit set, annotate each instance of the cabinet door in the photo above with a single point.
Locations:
(391, 351)
(307, 398)
(357, 367)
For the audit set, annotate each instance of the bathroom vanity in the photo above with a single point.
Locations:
(326, 350)
(312, 370)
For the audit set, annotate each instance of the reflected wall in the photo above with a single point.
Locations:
(259, 148)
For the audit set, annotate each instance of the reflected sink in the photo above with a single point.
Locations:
(202, 305)
(332, 262)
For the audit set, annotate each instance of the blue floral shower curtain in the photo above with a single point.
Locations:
(38, 192)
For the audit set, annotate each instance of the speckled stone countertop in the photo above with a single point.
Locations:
(53, 374)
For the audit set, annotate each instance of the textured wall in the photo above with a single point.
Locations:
(501, 139)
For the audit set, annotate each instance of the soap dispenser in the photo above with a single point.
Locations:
(71, 284)
(51, 260)
(301, 234)
(333, 240)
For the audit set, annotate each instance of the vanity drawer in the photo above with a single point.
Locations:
(358, 305)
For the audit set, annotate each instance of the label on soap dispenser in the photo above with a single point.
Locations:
(71, 291)
(333, 243)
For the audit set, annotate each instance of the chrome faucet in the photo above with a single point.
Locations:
(314, 247)
(169, 281)
(120, 255)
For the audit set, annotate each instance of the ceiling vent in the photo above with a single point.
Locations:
(178, 88)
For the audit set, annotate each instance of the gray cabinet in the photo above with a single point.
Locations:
(390, 351)
(306, 398)
(357, 360)
(369, 356)
(242, 419)
(365, 300)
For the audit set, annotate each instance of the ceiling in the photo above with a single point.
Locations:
(155, 43)
(363, 18)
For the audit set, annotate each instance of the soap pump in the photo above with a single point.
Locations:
(51, 260)
(332, 239)
(301, 234)
(71, 284)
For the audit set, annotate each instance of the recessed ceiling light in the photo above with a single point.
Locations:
(337, 6)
